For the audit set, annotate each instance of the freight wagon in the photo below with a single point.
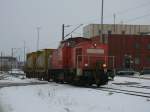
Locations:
(43, 63)
(38, 64)
(30, 65)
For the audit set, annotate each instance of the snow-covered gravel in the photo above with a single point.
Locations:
(54, 97)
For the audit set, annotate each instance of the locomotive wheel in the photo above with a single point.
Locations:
(90, 84)
(98, 85)
(62, 82)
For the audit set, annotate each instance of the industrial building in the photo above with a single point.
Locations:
(129, 44)
(8, 62)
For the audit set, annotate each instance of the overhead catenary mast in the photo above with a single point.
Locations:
(102, 10)
(114, 15)
(38, 37)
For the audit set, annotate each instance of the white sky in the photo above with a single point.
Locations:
(19, 19)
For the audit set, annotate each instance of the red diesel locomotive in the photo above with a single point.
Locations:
(80, 61)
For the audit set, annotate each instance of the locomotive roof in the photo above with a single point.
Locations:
(74, 41)
(77, 39)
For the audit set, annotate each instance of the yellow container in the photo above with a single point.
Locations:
(30, 63)
(43, 59)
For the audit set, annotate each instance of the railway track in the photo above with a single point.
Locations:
(131, 85)
(137, 77)
(128, 92)
(144, 87)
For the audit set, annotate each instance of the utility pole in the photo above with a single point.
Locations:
(102, 10)
(114, 15)
(24, 53)
(63, 28)
(1, 61)
(38, 37)
(12, 59)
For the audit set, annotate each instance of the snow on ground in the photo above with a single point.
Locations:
(54, 97)
(6, 78)
(145, 76)
(137, 80)
(130, 84)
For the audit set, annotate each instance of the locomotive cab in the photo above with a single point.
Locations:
(91, 64)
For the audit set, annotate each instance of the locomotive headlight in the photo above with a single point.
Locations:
(86, 65)
(95, 45)
(104, 65)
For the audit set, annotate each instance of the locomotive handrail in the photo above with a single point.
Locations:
(113, 59)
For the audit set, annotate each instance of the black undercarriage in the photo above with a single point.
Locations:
(87, 77)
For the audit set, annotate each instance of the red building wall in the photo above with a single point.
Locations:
(135, 46)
